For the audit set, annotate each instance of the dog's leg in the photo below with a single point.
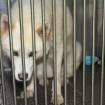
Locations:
(30, 89)
(59, 62)
(70, 62)
(70, 59)
(40, 72)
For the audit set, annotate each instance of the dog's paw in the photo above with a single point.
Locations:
(59, 100)
(29, 94)
(41, 82)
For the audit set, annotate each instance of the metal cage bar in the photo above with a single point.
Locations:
(34, 48)
(22, 46)
(44, 48)
(84, 52)
(93, 49)
(54, 49)
(2, 72)
(11, 49)
(103, 58)
(65, 49)
(74, 52)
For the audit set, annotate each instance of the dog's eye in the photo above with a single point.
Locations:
(31, 54)
(15, 53)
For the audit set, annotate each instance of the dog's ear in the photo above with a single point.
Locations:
(4, 24)
(47, 31)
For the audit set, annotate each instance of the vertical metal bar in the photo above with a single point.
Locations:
(74, 51)
(34, 48)
(22, 46)
(11, 49)
(44, 48)
(54, 48)
(84, 52)
(2, 72)
(93, 53)
(103, 56)
(65, 49)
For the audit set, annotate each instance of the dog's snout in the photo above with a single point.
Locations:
(21, 76)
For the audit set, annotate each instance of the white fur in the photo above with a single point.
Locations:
(39, 43)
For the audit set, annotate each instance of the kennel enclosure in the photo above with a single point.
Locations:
(87, 86)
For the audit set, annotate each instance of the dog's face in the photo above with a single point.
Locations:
(27, 44)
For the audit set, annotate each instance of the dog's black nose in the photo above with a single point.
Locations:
(21, 76)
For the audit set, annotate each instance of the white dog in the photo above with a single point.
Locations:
(39, 43)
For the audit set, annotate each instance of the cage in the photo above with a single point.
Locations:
(87, 86)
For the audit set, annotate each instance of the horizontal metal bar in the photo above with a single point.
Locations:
(93, 50)
(54, 49)
(22, 46)
(34, 48)
(11, 49)
(44, 48)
